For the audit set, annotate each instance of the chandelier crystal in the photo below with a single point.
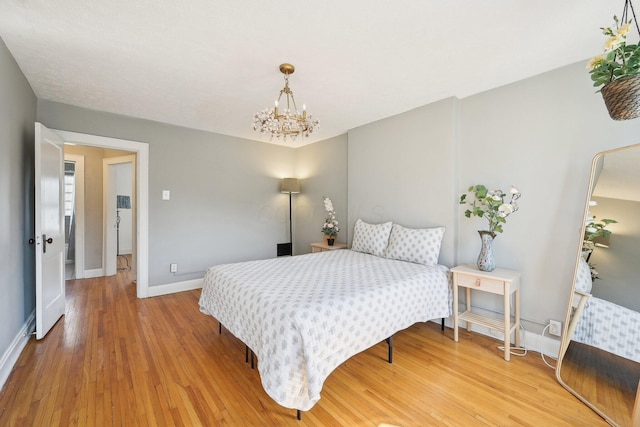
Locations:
(284, 120)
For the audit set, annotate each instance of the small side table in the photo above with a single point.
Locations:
(500, 282)
(322, 246)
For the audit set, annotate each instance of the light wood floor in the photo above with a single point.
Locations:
(606, 380)
(115, 360)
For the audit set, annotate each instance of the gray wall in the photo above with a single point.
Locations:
(225, 202)
(93, 200)
(402, 169)
(124, 185)
(539, 134)
(618, 265)
(17, 117)
(322, 169)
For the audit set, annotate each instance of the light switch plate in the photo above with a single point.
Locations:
(166, 195)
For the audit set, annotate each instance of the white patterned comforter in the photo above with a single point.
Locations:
(610, 327)
(305, 315)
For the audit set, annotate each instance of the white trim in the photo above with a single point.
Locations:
(90, 274)
(142, 191)
(529, 340)
(10, 357)
(550, 346)
(79, 215)
(172, 288)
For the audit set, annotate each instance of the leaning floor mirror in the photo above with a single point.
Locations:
(599, 359)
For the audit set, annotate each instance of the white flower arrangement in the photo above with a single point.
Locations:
(331, 226)
(491, 205)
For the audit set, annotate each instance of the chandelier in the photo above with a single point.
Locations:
(285, 120)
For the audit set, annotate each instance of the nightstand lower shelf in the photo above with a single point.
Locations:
(487, 322)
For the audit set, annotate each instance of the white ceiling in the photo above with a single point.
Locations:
(210, 65)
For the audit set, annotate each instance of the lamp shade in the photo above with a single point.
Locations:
(290, 185)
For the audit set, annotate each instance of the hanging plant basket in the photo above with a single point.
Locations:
(622, 97)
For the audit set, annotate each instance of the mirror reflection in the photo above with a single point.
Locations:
(599, 359)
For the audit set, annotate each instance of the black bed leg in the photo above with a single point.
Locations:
(299, 415)
(248, 351)
(390, 343)
(442, 326)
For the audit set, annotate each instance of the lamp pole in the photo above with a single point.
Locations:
(290, 186)
(290, 225)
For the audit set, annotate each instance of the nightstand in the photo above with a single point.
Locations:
(500, 282)
(322, 246)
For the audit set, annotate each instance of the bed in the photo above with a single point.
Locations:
(610, 327)
(303, 316)
(601, 323)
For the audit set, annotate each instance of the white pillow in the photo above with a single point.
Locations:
(371, 238)
(584, 282)
(421, 245)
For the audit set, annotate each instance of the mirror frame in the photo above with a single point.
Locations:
(566, 339)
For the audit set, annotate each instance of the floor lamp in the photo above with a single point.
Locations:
(291, 186)
(123, 202)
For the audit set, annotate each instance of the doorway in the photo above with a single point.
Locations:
(74, 216)
(140, 265)
(119, 191)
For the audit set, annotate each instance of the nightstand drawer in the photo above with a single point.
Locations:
(481, 283)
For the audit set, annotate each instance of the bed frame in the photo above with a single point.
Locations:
(249, 355)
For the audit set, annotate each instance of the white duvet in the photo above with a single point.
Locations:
(305, 315)
(610, 327)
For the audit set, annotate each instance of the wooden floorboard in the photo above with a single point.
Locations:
(115, 360)
(606, 380)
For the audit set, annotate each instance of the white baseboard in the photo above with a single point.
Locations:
(172, 288)
(10, 357)
(548, 346)
(89, 274)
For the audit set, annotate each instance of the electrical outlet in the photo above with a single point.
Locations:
(555, 328)
(173, 268)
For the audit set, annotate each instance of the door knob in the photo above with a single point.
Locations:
(45, 241)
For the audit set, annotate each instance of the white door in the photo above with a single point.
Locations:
(49, 227)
